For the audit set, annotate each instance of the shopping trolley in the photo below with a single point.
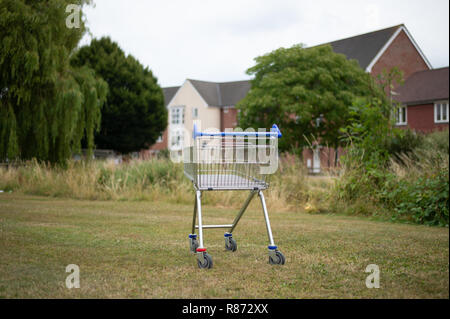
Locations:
(230, 161)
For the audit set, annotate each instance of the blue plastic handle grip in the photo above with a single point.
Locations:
(274, 131)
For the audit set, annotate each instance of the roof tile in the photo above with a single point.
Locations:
(363, 48)
(424, 86)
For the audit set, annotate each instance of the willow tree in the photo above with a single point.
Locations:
(47, 106)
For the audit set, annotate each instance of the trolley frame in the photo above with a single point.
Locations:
(212, 167)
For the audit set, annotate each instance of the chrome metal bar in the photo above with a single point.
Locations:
(198, 195)
(195, 216)
(214, 226)
(242, 211)
(266, 217)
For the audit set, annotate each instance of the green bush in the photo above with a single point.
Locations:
(403, 142)
(412, 186)
(436, 141)
(423, 201)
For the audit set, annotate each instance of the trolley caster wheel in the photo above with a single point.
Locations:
(230, 242)
(193, 243)
(207, 261)
(277, 258)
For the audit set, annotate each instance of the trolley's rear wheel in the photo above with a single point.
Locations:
(278, 260)
(207, 261)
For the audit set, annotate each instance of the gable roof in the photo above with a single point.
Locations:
(424, 87)
(221, 93)
(169, 92)
(363, 48)
(367, 48)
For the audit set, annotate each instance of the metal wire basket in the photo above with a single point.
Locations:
(229, 162)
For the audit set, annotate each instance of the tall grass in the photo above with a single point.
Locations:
(413, 187)
(97, 180)
(153, 180)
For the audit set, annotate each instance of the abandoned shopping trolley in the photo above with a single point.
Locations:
(231, 161)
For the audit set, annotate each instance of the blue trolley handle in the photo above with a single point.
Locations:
(274, 131)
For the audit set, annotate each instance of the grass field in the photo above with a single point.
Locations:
(140, 250)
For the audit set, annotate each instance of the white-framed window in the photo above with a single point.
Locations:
(401, 116)
(160, 139)
(441, 112)
(194, 112)
(177, 115)
(176, 139)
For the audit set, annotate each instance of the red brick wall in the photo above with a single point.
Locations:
(327, 156)
(162, 145)
(421, 118)
(228, 118)
(400, 53)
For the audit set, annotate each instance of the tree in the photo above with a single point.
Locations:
(308, 92)
(46, 106)
(388, 81)
(134, 114)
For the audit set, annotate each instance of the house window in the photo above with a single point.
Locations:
(441, 112)
(195, 112)
(160, 139)
(400, 116)
(177, 115)
(177, 139)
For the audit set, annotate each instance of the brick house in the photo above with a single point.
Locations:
(384, 49)
(424, 101)
(374, 51)
(214, 102)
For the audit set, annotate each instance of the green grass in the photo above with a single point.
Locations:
(140, 250)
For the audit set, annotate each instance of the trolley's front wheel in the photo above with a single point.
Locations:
(207, 261)
(278, 259)
(230, 242)
(193, 243)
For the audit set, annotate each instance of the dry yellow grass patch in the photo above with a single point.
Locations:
(140, 250)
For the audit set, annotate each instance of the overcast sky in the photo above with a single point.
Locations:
(218, 40)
